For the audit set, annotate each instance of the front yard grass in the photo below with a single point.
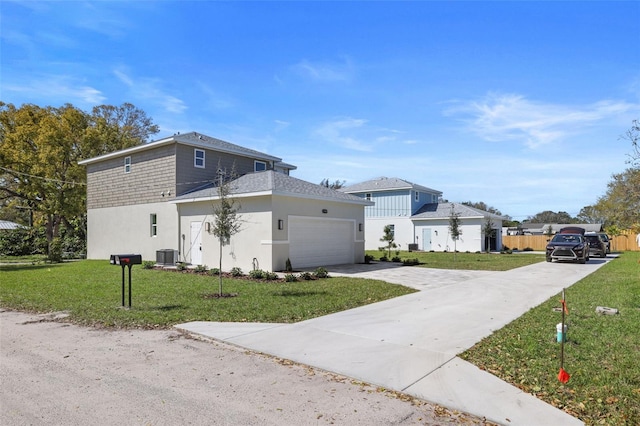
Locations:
(465, 261)
(602, 353)
(91, 292)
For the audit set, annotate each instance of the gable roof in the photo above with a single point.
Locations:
(443, 211)
(386, 184)
(194, 139)
(270, 182)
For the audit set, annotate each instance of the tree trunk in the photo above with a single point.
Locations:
(220, 271)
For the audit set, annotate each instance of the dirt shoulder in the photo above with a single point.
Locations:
(58, 373)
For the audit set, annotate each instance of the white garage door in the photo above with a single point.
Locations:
(320, 242)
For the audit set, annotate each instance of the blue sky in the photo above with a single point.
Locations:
(517, 104)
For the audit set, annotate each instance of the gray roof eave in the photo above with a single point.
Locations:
(187, 199)
(181, 139)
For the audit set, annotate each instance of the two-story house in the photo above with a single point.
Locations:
(159, 196)
(419, 220)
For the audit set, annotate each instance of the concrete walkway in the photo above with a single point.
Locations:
(410, 343)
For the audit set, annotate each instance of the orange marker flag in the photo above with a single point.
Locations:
(563, 376)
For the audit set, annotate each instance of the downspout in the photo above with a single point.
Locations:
(180, 247)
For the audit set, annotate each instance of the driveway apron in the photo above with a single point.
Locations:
(410, 343)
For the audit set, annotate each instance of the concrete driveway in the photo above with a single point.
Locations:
(410, 343)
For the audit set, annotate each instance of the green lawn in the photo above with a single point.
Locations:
(92, 293)
(466, 261)
(602, 353)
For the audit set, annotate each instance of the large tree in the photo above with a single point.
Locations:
(633, 135)
(621, 203)
(549, 216)
(619, 207)
(592, 214)
(480, 205)
(39, 152)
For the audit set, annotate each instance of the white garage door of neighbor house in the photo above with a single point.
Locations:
(320, 242)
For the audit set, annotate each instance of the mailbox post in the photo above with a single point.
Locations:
(126, 260)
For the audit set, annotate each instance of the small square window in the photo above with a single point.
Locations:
(367, 196)
(127, 164)
(154, 224)
(259, 166)
(198, 158)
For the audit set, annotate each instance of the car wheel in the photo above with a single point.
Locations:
(548, 259)
(603, 255)
(582, 261)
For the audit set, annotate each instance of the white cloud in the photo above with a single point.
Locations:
(57, 88)
(508, 117)
(341, 132)
(147, 89)
(281, 125)
(323, 71)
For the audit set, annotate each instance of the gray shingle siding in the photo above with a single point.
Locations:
(152, 172)
(190, 177)
(165, 167)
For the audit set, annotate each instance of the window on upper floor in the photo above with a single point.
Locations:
(153, 222)
(393, 230)
(127, 164)
(367, 196)
(259, 166)
(198, 158)
(417, 196)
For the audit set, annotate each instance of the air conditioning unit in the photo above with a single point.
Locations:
(166, 257)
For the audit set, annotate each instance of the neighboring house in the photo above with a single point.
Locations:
(418, 219)
(137, 202)
(548, 228)
(6, 225)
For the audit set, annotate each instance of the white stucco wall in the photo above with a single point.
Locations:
(411, 231)
(260, 240)
(127, 229)
(403, 231)
(471, 238)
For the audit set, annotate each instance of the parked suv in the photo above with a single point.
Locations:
(565, 246)
(605, 238)
(596, 245)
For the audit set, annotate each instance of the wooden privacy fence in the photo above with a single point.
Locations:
(624, 242)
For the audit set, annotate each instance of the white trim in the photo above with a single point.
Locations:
(153, 224)
(196, 158)
(273, 243)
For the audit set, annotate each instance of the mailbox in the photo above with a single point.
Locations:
(126, 259)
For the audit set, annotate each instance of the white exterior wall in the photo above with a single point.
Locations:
(244, 246)
(284, 207)
(127, 229)
(403, 231)
(471, 239)
(260, 240)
